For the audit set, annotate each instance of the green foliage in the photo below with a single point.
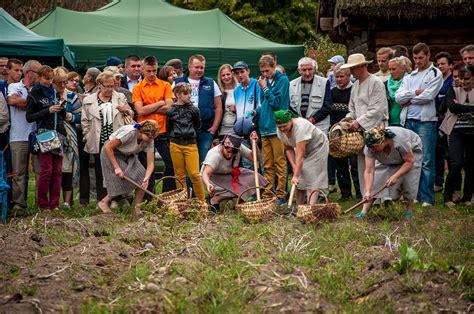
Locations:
(289, 22)
(408, 259)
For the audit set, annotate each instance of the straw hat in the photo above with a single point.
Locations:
(355, 60)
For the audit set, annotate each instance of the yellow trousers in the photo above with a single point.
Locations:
(274, 164)
(186, 158)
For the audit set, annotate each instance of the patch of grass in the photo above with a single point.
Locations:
(94, 306)
(29, 290)
(62, 237)
(49, 250)
(336, 278)
(139, 272)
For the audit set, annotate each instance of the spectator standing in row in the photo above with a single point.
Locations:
(368, 104)
(3, 69)
(310, 95)
(89, 81)
(177, 64)
(275, 90)
(227, 83)
(398, 67)
(207, 97)
(384, 55)
(102, 114)
(335, 60)
(340, 96)
(443, 62)
(20, 130)
(15, 70)
(115, 61)
(152, 97)
(417, 95)
(183, 125)
(46, 108)
(459, 125)
(467, 54)
(133, 72)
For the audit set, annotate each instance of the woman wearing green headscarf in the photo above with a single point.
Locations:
(307, 150)
(399, 155)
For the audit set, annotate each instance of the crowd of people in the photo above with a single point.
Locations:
(416, 114)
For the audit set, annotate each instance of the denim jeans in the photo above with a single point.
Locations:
(428, 134)
(204, 143)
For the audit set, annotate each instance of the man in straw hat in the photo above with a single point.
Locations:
(399, 152)
(368, 104)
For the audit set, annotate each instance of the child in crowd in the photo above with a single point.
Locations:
(183, 124)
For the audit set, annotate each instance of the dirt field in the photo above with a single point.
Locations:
(81, 261)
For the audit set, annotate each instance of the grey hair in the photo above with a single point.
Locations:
(403, 62)
(338, 69)
(307, 60)
(29, 65)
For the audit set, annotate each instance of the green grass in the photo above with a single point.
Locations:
(226, 265)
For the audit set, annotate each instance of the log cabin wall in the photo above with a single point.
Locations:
(364, 26)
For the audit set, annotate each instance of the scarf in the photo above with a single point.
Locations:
(392, 87)
(47, 91)
(107, 113)
(284, 116)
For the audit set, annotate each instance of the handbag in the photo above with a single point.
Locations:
(49, 140)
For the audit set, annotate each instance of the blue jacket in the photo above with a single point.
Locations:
(276, 96)
(206, 100)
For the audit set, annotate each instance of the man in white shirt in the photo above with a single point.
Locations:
(205, 95)
(19, 132)
(417, 95)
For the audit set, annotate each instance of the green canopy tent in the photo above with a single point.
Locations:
(155, 27)
(18, 41)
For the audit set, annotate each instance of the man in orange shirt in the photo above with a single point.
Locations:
(152, 97)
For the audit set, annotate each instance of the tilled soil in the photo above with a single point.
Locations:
(53, 264)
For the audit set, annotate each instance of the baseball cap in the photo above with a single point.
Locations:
(240, 65)
(113, 61)
(336, 59)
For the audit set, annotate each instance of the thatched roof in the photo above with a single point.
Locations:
(406, 9)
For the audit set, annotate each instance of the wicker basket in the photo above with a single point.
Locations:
(255, 211)
(318, 212)
(344, 145)
(189, 208)
(171, 196)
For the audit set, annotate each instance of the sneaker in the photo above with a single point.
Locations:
(281, 202)
(450, 204)
(407, 214)
(114, 204)
(360, 215)
(457, 196)
(426, 204)
(66, 205)
(215, 208)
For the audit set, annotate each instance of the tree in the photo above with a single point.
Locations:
(288, 22)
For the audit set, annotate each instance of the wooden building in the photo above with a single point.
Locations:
(366, 25)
